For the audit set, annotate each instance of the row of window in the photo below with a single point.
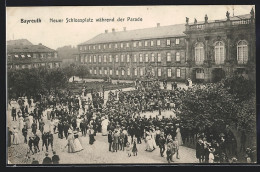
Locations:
(147, 43)
(50, 65)
(41, 55)
(219, 49)
(146, 58)
(135, 71)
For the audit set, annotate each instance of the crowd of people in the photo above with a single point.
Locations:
(120, 118)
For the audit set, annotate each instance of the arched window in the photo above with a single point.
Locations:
(128, 71)
(199, 53)
(242, 52)
(219, 52)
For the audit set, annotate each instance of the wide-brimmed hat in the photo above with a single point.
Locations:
(211, 150)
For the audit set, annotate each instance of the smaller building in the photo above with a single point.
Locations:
(22, 54)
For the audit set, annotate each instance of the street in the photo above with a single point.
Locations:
(96, 153)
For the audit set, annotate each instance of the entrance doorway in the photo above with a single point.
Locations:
(218, 74)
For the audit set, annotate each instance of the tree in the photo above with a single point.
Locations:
(55, 79)
(212, 108)
(69, 71)
(209, 107)
(240, 87)
(31, 82)
(82, 71)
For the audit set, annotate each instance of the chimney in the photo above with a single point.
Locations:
(106, 31)
(113, 30)
(158, 24)
(40, 43)
(124, 28)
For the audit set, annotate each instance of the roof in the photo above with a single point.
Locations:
(147, 33)
(19, 42)
(28, 49)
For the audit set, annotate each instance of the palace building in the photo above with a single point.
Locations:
(23, 54)
(203, 51)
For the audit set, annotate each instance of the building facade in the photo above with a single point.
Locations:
(21, 56)
(203, 51)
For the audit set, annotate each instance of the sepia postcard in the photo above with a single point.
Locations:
(160, 84)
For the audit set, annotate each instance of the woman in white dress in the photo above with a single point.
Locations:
(178, 135)
(77, 144)
(21, 123)
(16, 139)
(26, 102)
(51, 126)
(149, 143)
(30, 119)
(153, 135)
(104, 124)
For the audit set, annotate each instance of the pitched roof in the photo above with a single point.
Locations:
(19, 42)
(28, 49)
(147, 33)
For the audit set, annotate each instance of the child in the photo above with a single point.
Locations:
(211, 155)
(134, 150)
(128, 149)
(169, 154)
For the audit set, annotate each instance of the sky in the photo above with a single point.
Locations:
(54, 35)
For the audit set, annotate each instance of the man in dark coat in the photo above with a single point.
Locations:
(55, 158)
(34, 128)
(199, 150)
(14, 113)
(50, 140)
(60, 130)
(45, 141)
(41, 125)
(110, 139)
(66, 129)
(47, 159)
(83, 127)
(161, 143)
(30, 144)
(116, 140)
(36, 141)
(25, 131)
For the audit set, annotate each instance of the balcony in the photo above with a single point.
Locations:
(218, 24)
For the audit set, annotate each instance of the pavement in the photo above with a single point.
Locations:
(98, 152)
(93, 154)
